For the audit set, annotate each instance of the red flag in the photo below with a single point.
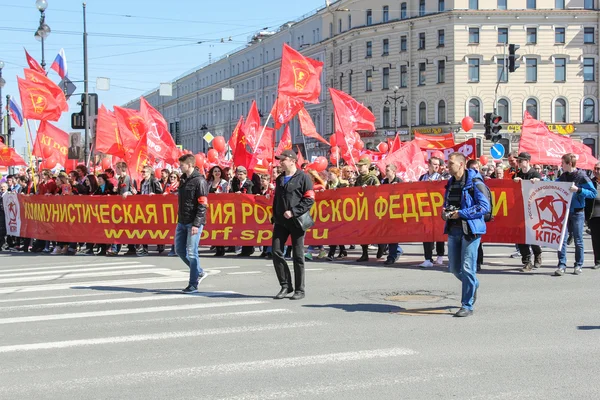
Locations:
(161, 145)
(307, 126)
(9, 157)
(300, 76)
(33, 64)
(284, 109)
(56, 91)
(234, 135)
(394, 144)
(51, 141)
(409, 160)
(38, 102)
(467, 148)
(300, 157)
(252, 126)
(132, 128)
(286, 141)
(434, 141)
(544, 146)
(350, 115)
(241, 156)
(585, 159)
(108, 137)
(138, 158)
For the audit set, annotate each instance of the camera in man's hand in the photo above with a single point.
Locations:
(448, 211)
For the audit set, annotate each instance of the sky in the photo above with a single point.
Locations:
(137, 44)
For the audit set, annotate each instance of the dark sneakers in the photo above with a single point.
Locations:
(283, 293)
(527, 267)
(297, 296)
(537, 261)
(463, 312)
(190, 289)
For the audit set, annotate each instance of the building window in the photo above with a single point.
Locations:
(589, 110)
(559, 4)
(560, 69)
(473, 4)
(422, 73)
(369, 49)
(342, 82)
(531, 35)
(531, 106)
(369, 17)
(531, 67)
(349, 53)
(386, 13)
(475, 110)
(560, 110)
(441, 114)
(502, 70)
(473, 69)
(386, 47)
(386, 116)
(588, 4)
(403, 76)
(349, 83)
(588, 35)
(340, 25)
(559, 36)
(591, 143)
(402, 43)
(589, 73)
(503, 35)
(386, 78)
(441, 5)
(369, 80)
(474, 35)
(422, 41)
(441, 38)
(349, 21)
(422, 113)
(341, 55)
(403, 116)
(403, 11)
(501, 4)
(441, 71)
(421, 8)
(503, 109)
(531, 4)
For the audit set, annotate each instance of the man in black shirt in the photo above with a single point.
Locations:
(525, 172)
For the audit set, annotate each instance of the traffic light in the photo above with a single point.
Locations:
(2, 139)
(492, 127)
(512, 49)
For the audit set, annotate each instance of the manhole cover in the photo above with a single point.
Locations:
(415, 298)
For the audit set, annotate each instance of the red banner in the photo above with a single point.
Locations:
(383, 214)
(468, 148)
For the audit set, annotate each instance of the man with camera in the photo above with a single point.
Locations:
(466, 202)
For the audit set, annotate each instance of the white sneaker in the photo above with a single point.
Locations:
(373, 247)
(56, 251)
(439, 260)
(426, 264)
(516, 254)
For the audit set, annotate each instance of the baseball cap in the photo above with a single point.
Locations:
(287, 154)
(364, 161)
(524, 156)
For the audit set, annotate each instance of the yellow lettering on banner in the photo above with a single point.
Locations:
(500, 202)
(55, 213)
(381, 207)
(71, 214)
(64, 212)
(335, 210)
(317, 235)
(258, 209)
(158, 234)
(246, 212)
(363, 208)
(216, 213)
(94, 211)
(152, 214)
(103, 214)
(127, 216)
(47, 213)
(247, 235)
(113, 215)
(352, 215)
(395, 205)
(422, 201)
(78, 207)
(264, 235)
(169, 213)
(325, 217)
(204, 235)
(226, 232)
(229, 211)
(139, 215)
(410, 198)
(28, 211)
(437, 201)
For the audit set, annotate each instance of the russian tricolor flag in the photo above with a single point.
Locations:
(60, 64)
(15, 112)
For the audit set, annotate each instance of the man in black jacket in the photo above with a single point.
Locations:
(191, 217)
(294, 196)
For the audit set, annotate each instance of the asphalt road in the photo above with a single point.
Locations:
(117, 328)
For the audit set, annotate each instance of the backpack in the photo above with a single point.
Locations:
(488, 216)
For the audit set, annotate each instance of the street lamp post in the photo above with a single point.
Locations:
(2, 83)
(43, 30)
(395, 98)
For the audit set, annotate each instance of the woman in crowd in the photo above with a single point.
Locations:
(334, 181)
(173, 186)
(266, 189)
(217, 183)
(64, 189)
(149, 185)
(105, 188)
(90, 186)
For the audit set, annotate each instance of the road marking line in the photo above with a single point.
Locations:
(126, 311)
(154, 336)
(244, 273)
(55, 297)
(29, 267)
(159, 271)
(70, 271)
(222, 267)
(313, 269)
(363, 267)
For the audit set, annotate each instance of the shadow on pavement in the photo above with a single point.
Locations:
(171, 291)
(588, 327)
(361, 307)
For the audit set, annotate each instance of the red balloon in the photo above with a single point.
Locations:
(333, 140)
(320, 164)
(359, 145)
(157, 172)
(70, 165)
(483, 160)
(219, 144)
(200, 160)
(106, 163)
(212, 155)
(47, 152)
(383, 147)
(467, 123)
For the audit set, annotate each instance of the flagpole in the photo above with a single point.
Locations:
(345, 140)
(28, 131)
(261, 133)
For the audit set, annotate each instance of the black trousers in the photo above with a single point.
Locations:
(428, 250)
(280, 236)
(526, 253)
(594, 225)
(479, 256)
(334, 247)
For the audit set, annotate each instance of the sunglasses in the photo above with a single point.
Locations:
(173, 177)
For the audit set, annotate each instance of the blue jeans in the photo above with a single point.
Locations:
(186, 247)
(462, 262)
(574, 227)
(394, 251)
